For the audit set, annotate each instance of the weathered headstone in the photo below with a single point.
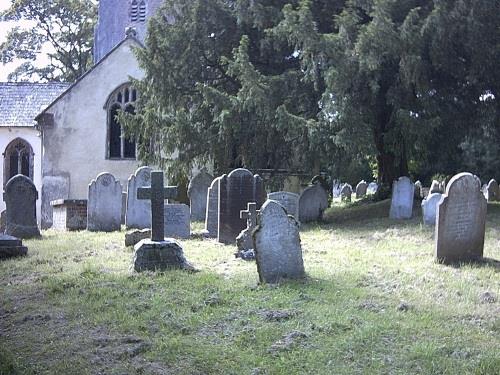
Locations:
(104, 205)
(361, 188)
(436, 187)
(345, 193)
(493, 191)
(277, 245)
(134, 236)
(177, 220)
(20, 197)
(158, 253)
(236, 190)
(312, 203)
(11, 247)
(288, 200)
(244, 241)
(418, 190)
(460, 221)
(429, 208)
(372, 187)
(402, 199)
(212, 215)
(197, 193)
(336, 187)
(138, 213)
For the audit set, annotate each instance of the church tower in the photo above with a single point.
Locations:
(115, 16)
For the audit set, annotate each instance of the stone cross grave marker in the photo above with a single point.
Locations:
(244, 240)
(157, 193)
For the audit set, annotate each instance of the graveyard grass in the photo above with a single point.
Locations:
(374, 302)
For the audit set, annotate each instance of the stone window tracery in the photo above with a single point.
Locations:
(119, 145)
(18, 159)
(138, 11)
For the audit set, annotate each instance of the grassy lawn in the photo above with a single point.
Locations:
(374, 302)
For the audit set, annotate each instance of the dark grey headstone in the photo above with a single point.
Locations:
(177, 221)
(197, 193)
(460, 221)
(11, 247)
(244, 240)
(159, 256)
(104, 205)
(20, 197)
(138, 211)
(403, 192)
(418, 190)
(277, 245)
(313, 201)
(236, 190)
(361, 188)
(212, 215)
(345, 193)
(493, 191)
(288, 200)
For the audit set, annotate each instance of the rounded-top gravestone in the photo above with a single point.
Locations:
(312, 203)
(345, 193)
(361, 188)
(138, 214)
(402, 199)
(429, 208)
(372, 188)
(493, 191)
(197, 193)
(460, 220)
(104, 205)
(20, 197)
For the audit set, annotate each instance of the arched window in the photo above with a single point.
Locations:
(142, 11)
(18, 159)
(134, 11)
(120, 146)
(138, 11)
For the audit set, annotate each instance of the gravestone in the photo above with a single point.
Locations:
(460, 221)
(138, 212)
(197, 193)
(312, 203)
(244, 241)
(436, 187)
(336, 187)
(212, 215)
(372, 187)
(20, 197)
(11, 247)
(177, 220)
(288, 200)
(493, 191)
(361, 188)
(277, 245)
(134, 236)
(104, 204)
(418, 189)
(345, 193)
(402, 199)
(429, 208)
(158, 253)
(236, 190)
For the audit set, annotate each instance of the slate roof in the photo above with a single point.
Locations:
(21, 102)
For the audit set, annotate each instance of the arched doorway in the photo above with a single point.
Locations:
(17, 159)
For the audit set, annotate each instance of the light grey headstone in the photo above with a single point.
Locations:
(361, 189)
(212, 215)
(418, 189)
(288, 200)
(372, 188)
(460, 221)
(104, 205)
(346, 192)
(138, 211)
(197, 193)
(429, 208)
(336, 187)
(277, 245)
(312, 203)
(177, 221)
(402, 199)
(493, 191)
(436, 187)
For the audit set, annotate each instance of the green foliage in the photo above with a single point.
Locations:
(65, 26)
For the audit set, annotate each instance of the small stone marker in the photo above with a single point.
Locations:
(11, 247)
(429, 208)
(197, 193)
(460, 221)
(134, 236)
(493, 191)
(138, 211)
(212, 215)
(372, 188)
(158, 253)
(104, 205)
(244, 241)
(312, 203)
(20, 197)
(277, 245)
(361, 188)
(345, 193)
(236, 190)
(177, 220)
(288, 200)
(402, 199)
(69, 214)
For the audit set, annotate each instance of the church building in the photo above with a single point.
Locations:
(63, 135)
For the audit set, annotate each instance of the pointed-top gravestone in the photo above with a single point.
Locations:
(197, 193)
(104, 205)
(493, 191)
(313, 202)
(402, 199)
(460, 221)
(20, 197)
(361, 188)
(277, 245)
(138, 214)
(244, 240)
(158, 253)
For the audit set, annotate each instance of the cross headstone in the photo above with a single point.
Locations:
(250, 214)
(157, 193)
(244, 240)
